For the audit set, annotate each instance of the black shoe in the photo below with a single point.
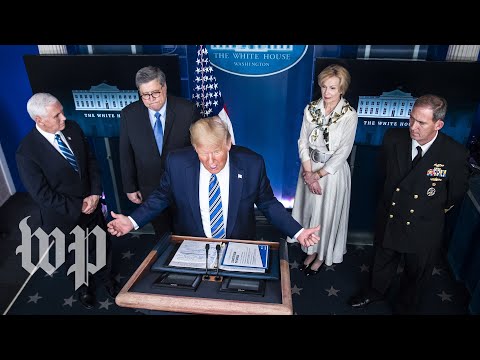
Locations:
(360, 301)
(113, 288)
(86, 296)
(311, 272)
(304, 267)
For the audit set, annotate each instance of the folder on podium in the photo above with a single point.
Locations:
(144, 290)
(163, 261)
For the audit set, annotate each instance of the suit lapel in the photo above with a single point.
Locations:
(404, 154)
(170, 119)
(433, 150)
(236, 186)
(74, 142)
(192, 175)
(145, 132)
(49, 148)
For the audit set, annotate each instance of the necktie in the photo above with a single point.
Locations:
(66, 152)
(216, 211)
(158, 131)
(417, 157)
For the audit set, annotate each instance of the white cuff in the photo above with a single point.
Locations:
(298, 234)
(135, 226)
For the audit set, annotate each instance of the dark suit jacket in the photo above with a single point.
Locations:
(249, 185)
(52, 182)
(411, 214)
(141, 164)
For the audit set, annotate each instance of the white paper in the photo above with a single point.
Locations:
(193, 254)
(241, 254)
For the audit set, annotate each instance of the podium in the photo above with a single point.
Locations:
(139, 292)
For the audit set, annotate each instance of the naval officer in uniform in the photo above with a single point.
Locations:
(426, 174)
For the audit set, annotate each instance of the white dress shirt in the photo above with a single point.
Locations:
(223, 178)
(424, 147)
(51, 139)
(163, 113)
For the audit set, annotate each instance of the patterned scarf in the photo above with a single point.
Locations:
(318, 117)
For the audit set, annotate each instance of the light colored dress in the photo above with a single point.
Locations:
(329, 210)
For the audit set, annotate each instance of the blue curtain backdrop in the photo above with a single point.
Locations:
(14, 93)
(266, 114)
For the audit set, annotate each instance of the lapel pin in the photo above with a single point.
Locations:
(239, 176)
(69, 138)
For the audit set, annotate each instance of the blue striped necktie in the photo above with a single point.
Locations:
(67, 153)
(216, 211)
(158, 131)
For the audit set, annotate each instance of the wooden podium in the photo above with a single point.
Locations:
(138, 291)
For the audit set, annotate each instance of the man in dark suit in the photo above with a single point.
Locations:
(426, 174)
(149, 129)
(212, 188)
(61, 174)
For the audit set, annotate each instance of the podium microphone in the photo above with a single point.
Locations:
(207, 246)
(217, 277)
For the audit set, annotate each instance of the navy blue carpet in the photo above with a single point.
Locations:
(323, 294)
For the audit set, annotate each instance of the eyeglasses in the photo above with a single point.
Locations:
(153, 94)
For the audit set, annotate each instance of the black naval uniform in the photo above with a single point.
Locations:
(411, 213)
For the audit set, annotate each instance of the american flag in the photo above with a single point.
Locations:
(206, 92)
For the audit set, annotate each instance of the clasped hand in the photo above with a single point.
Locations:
(311, 180)
(90, 204)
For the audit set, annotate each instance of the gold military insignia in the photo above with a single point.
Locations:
(431, 191)
(438, 165)
(436, 179)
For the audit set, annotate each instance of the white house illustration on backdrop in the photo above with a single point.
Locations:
(103, 97)
(393, 104)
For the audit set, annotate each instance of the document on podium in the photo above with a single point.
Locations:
(245, 257)
(235, 256)
(192, 254)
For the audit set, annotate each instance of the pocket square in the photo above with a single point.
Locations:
(239, 176)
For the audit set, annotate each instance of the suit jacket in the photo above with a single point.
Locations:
(411, 214)
(52, 182)
(141, 164)
(249, 185)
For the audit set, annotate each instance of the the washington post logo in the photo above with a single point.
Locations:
(81, 267)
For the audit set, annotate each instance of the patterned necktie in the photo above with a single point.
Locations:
(417, 157)
(158, 131)
(216, 211)
(67, 153)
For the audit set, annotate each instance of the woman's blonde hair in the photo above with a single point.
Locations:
(338, 71)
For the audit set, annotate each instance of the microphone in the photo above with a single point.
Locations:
(207, 246)
(217, 277)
